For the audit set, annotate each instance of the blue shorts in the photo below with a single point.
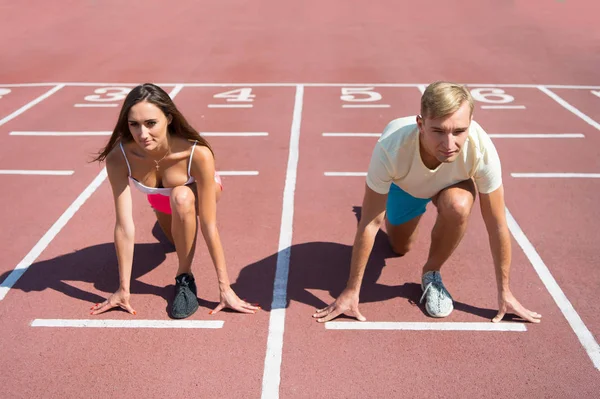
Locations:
(402, 207)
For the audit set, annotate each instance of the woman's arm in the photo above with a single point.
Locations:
(124, 231)
(203, 170)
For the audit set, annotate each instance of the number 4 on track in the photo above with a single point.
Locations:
(238, 95)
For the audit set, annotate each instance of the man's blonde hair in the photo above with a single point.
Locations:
(443, 98)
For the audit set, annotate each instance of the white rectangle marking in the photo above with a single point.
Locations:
(338, 174)
(558, 175)
(234, 134)
(503, 107)
(365, 106)
(99, 323)
(31, 104)
(351, 134)
(569, 107)
(238, 172)
(95, 105)
(40, 133)
(537, 135)
(272, 371)
(579, 328)
(37, 172)
(424, 326)
(230, 105)
(493, 135)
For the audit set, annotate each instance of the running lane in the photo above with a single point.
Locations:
(341, 364)
(79, 268)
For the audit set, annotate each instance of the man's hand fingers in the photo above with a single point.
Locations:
(324, 311)
(526, 314)
(330, 315)
(359, 315)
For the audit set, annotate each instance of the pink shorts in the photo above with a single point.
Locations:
(162, 203)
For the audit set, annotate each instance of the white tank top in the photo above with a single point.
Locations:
(166, 191)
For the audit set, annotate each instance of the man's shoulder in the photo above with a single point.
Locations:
(479, 137)
(398, 131)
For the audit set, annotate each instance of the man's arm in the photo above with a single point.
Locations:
(494, 216)
(373, 211)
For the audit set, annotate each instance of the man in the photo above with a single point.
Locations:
(445, 158)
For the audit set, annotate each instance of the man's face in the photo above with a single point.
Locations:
(441, 139)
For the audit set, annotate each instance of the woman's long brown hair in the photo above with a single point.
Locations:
(179, 126)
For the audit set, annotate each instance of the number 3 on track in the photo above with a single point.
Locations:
(110, 94)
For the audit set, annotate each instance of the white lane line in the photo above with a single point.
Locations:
(569, 107)
(238, 172)
(579, 328)
(351, 134)
(558, 175)
(41, 133)
(339, 174)
(272, 371)
(41, 245)
(503, 107)
(230, 105)
(95, 105)
(536, 135)
(234, 134)
(37, 172)
(31, 104)
(422, 88)
(365, 106)
(306, 84)
(424, 326)
(84, 323)
(493, 135)
(176, 90)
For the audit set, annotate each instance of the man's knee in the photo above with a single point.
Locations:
(182, 200)
(456, 208)
(401, 249)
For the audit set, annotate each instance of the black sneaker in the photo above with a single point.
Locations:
(185, 303)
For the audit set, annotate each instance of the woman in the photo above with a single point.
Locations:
(155, 149)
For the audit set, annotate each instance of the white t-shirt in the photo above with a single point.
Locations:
(397, 159)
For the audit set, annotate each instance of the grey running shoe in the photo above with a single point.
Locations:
(185, 302)
(438, 299)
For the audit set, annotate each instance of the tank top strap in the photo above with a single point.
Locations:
(190, 160)
(126, 160)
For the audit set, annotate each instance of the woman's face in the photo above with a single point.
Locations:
(148, 125)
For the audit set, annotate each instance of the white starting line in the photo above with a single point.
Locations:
(492, 135)
(559, 175)
(424, 326)
(37, 172)
(99, 323)
(518, 175)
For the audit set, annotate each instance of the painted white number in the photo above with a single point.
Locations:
(491, 95)
(596, 93)
(4, 92)
(110, 94)
(238, 95)
(360, 94)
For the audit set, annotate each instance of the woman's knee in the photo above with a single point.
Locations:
(182, 200)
